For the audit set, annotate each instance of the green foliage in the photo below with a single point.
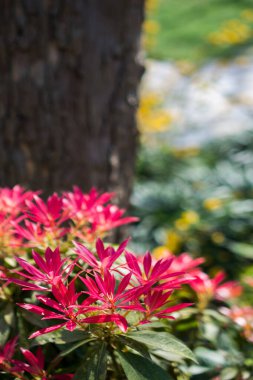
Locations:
(184, 27)
(163, 341)
(139, 368)
(213, 186)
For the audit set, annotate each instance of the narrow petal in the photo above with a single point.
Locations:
(116, 318)
(46, 330)
(147, 263)
(133, 263)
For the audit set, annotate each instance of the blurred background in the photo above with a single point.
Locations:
(194, 185)
(178, 149)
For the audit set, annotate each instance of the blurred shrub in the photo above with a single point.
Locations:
(198, 200)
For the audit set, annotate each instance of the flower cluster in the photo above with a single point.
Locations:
(34, 364)
(234, 32)
(205, 288)
(104, 287)
(98, 304)
(28, 221)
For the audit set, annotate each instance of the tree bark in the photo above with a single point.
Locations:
(68, 93)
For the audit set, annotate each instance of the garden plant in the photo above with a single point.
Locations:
(74, 306)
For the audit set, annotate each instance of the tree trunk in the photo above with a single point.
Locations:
(69, 76)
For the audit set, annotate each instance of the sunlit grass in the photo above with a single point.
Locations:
(184, 27)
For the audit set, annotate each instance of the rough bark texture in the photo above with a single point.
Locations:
(69, 75)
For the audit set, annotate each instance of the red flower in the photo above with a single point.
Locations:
(64, 308)
(91, 215)
(184, 262)
(110, 217)
(35, 366)
(49, 213)
(149, 271)
(80, 206)
(32, 232)
(154, 302)
(49, 272)
(207, 288)
(7, 352)
(106, 256)
(112, 291)
(112, 299)
(243, 317)
(12, 201)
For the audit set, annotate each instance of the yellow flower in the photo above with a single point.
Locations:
(211, 204)
(232, 32)
(247, 14)
(218, 237)
(186, 152)
(151, 5)
(151, 27)
(160, 252)
(148, 101)
(182, 225)
(190, 216)
(173, 241)
(187, 219)
(151, 118)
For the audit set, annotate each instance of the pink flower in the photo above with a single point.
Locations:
(149, 271)
(50, 270)
(43, 223)
(12, 201)
(243, 317)
(7, 352)
(35, 366)
(91, 215)
(228, 290)
(112, 299)
(248, 281)
(118, 319)
(49, 213)
(32, 232)
(110, 217)
(155, 301)
(80, 205)
(185, 263)
(112, 290)
(106, 256)
(64, 308)
(207, 288)
(8, 239)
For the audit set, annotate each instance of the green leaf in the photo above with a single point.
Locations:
(69, 350)
(198, 370)
(137, 346)
(34, 319)
(6, 322)
(80, 373)
(4, 331)
(61, 337)
(137, 367)
(95, 367)
(210, 358)
(8, 315)
(229, 373)
(163, 341)
(242, 249)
